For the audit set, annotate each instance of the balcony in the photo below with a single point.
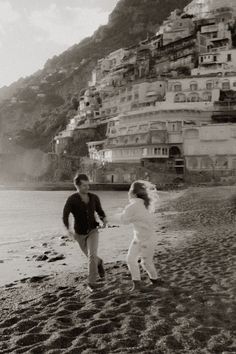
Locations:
(155, 152)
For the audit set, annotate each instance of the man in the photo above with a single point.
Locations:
(83, 206)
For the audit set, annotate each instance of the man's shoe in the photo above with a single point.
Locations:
(101, 270)
(136, 286)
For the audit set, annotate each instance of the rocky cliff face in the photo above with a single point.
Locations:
(32, 121)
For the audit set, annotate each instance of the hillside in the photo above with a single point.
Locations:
(34, 109)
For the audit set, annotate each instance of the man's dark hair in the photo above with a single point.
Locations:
(80, 177)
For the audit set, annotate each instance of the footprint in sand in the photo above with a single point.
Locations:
(101, 328)
(86, 314)
(30, 339)
(9, 322)
(58, 341)
(24, 325)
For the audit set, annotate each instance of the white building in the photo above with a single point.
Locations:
(176, 27)
(219, 62)
(202, 90)
(210, 147)
(126, 98)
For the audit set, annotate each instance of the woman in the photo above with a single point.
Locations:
(139, 212)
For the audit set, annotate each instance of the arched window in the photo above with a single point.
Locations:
(209, 85)
(193, 86)
(180, 97)
(194, 97)
(177, 87)
(174, 151)
(207, 96)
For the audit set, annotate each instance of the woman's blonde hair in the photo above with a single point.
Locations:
(147, 191)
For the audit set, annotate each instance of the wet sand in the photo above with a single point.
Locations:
(193, 312)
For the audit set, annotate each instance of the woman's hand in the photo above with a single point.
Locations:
(104, 223)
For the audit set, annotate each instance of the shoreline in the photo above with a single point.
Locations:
(63, 186)
(69, 186)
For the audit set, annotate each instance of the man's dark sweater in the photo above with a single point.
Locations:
(84, 214)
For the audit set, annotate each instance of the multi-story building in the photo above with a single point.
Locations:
(181, 53)
(178, 25)
(124, 99)
(150, 134)
(202, 90)
(214, 37)
(219, 62)
(210, 148)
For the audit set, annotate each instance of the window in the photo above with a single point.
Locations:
(229, 57)
(201, 59)
(180, 97)
(129, 98)
(136, 96)
(214, 58)
(209, 85)
(234, 84)
(226, 85)
(194, 97)
(193, 86)
(177, 87)
(207, 96)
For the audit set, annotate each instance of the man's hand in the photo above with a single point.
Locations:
(70, 234)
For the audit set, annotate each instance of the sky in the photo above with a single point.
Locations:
(32, 31)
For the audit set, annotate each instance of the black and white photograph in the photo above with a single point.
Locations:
(118, 176)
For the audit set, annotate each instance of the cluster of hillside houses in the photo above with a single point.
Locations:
(168, 104)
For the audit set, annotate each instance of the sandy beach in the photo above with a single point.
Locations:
(193, 312)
